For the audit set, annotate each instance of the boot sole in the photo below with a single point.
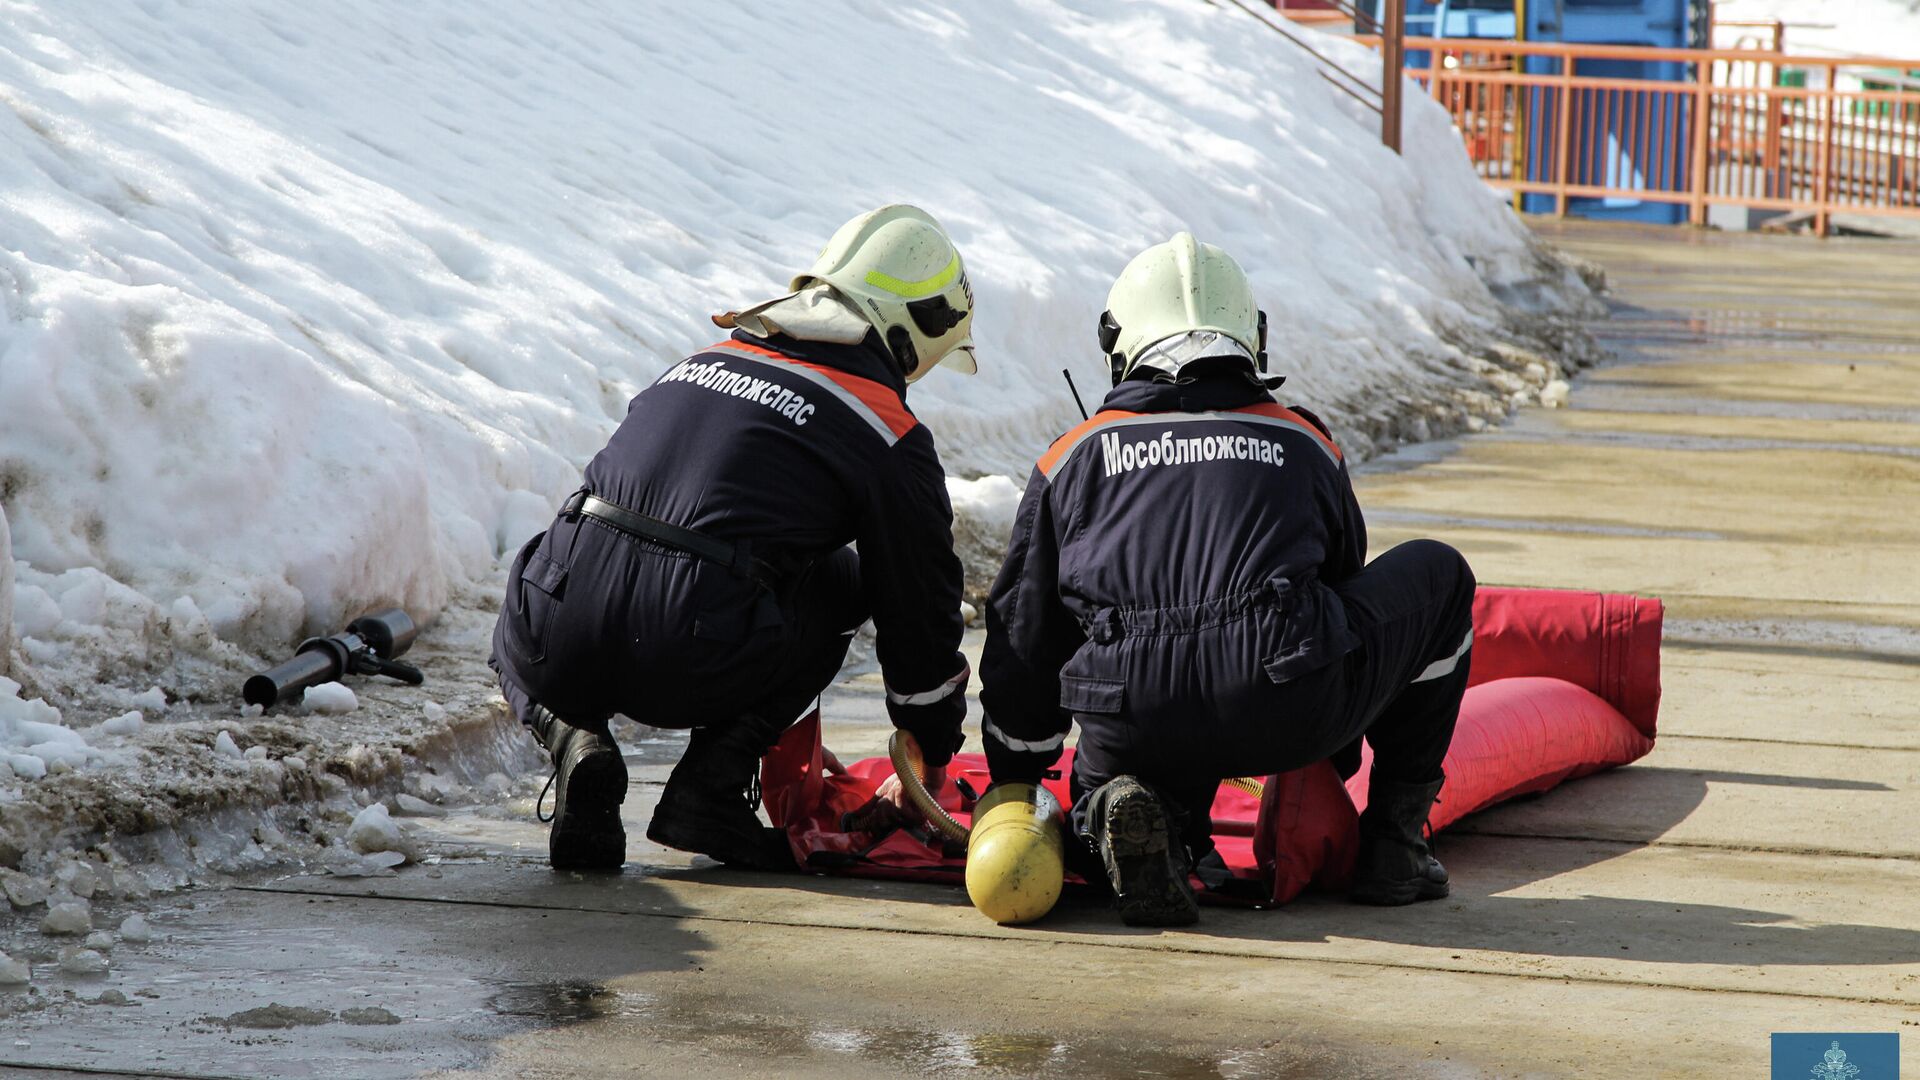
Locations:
(587, 833)
(763, 849)
(1140, 865)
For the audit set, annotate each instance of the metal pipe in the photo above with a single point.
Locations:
(1392, 59)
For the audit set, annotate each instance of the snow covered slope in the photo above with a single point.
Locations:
(308, 307)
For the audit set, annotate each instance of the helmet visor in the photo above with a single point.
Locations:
(960, 358)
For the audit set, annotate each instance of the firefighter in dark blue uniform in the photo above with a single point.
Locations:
(1187, 581)
(701, 577)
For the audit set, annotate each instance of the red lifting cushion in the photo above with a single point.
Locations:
(1563, 684)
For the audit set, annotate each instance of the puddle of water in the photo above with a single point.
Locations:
(710, 1023)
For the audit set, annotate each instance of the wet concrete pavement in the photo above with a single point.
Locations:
(1754, 459)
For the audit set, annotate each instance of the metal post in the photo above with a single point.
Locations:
(1392, 60)
(1823, 160)
(1562, 135)
(1702, 130)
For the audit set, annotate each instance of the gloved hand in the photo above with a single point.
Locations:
(933, 716)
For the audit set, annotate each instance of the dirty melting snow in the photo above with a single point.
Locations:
(308, 308)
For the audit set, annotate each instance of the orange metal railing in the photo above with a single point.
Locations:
(1540, 119)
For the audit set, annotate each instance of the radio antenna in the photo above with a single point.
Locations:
(1076, 392)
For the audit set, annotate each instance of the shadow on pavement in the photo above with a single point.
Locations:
(1489, 862)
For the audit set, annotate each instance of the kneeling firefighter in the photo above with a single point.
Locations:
(701, 577)
(1187, 581)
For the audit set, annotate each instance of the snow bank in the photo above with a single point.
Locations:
(1889, 28)
(310, 308)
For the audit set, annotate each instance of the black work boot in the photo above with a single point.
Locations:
(590, 782)
(1395, 865)
(710, 804)
(1145, 861)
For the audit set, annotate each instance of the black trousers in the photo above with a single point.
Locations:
(663, 638)
(1400, 688)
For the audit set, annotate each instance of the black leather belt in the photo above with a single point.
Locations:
(737, 557)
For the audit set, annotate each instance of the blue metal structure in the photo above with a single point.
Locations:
(1656, 23)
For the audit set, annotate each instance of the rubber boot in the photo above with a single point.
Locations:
(590, 783)
(1144, 859)
(710, 803)
(1395, 865)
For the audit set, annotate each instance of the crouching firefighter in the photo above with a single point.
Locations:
(701, 577)
(1187, 581)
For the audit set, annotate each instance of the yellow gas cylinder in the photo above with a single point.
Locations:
(1016, 858)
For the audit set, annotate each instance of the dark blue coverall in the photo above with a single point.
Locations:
(796, 450)
(1187, 581)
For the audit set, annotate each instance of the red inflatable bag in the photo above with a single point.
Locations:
(1563, 684)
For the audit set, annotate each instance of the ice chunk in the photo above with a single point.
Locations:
(373, 829)
(968, 613)
(73, 917)
(41, 652)
(99, 939)
(224, 746)
(77, 878)
(127, 723)
(379, 864)
(35, 614)
(82, 961)
(24, 890)
(294, 763)
(496, 783)
(134, 928)
(433, 786)
(331, 699)
(256, 753)
(418, 807)
(153, 699)
(14, 972)
(33, 740)
(1556, 394)
(434, 711)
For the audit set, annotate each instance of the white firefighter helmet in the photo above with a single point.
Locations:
(898, 268)
(1177, 303)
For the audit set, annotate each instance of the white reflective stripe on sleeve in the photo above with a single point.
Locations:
(939, 693)
(988, 728)
(1445, 666)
